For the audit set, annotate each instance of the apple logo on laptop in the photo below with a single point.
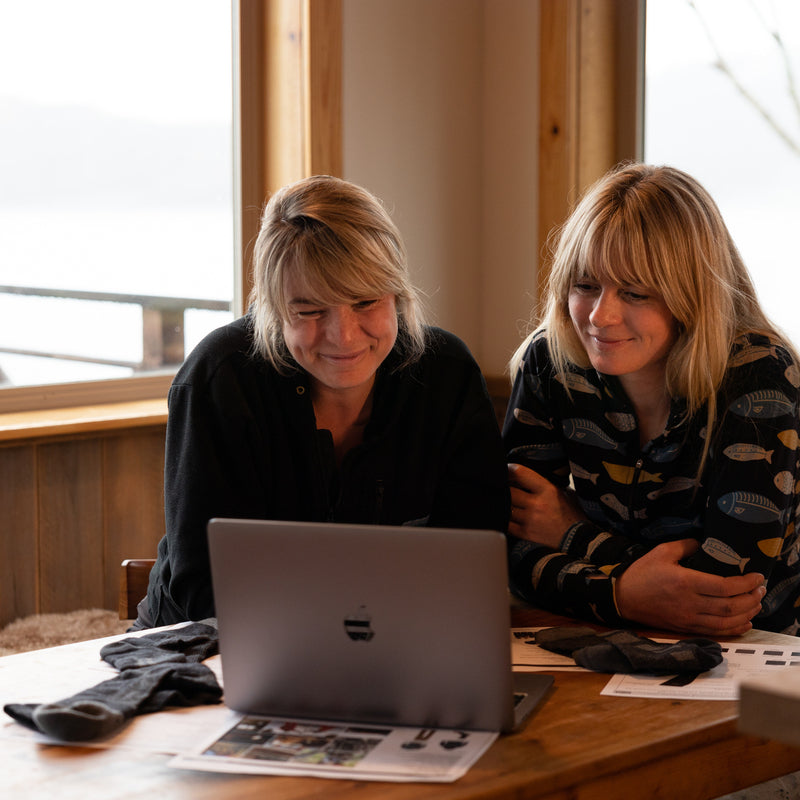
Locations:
(358, 625)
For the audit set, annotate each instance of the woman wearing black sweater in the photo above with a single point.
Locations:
(330, 400)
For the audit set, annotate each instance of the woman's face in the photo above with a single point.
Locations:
(626, 330)
(340, 346)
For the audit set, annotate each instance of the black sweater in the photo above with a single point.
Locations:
(242, 442)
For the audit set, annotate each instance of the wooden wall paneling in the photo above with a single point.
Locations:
(70, 489)
(18, 533)
(133, 502)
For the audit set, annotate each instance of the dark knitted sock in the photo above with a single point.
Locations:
(156, 671)
(192, 643)
(566, 640)
(627, 652)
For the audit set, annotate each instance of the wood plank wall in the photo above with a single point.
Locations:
(72, 509)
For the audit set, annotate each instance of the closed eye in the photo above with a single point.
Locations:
(362, 305)
(636, 297)
(308, 313)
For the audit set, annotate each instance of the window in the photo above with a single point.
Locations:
(116, 198)
(722, 102)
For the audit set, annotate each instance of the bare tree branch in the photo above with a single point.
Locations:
(721, 64)
(788, 68)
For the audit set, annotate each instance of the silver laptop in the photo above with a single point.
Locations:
(369, 624)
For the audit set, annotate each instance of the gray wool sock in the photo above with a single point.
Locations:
(626, 652)
(156, 671)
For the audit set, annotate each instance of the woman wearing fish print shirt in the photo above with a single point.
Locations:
(653, 423)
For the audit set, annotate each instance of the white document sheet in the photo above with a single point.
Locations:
(279, 746)
(741, 661)
(756, 654)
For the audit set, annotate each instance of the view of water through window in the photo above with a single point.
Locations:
(115, 181)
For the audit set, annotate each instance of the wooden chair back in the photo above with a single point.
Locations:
(133, 579)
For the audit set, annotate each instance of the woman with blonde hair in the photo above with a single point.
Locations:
(330, 400)
(653, 425)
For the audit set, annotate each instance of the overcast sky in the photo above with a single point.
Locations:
(165, 60)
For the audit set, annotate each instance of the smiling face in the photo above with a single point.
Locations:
(626, 331)
(340, 346)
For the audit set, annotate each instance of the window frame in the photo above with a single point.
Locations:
(591, 101)
(286, 124)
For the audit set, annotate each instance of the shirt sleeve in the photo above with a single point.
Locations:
(561, 583)
(531, 432)
(210, 470)
(579, 578)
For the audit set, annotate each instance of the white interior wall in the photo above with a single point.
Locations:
(510, 178)
(440, 100)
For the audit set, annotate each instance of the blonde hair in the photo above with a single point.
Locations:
(337, 241)
(657, 227)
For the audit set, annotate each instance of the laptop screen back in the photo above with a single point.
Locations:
(378, 624)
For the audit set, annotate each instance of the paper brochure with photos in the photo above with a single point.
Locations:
(281, 746)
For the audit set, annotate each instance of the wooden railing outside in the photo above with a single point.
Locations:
(162, 325)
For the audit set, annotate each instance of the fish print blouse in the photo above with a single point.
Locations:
(742, 509)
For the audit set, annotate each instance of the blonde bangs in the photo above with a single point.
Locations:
(615, 251)
(330, 279)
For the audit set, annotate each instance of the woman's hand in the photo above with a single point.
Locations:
(657, 591)
(540, 511)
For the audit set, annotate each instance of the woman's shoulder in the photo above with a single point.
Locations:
(763, 362)
(230, 345)
(445, 360)
(757, 351)
(440, 342)
(537, 358)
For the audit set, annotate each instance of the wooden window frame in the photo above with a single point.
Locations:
(289, 98)
(287, 124)
(591, 101)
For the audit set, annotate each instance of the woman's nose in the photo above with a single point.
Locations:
(606, 309)
(342, 324)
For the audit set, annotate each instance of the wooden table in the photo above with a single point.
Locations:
(579, 745)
